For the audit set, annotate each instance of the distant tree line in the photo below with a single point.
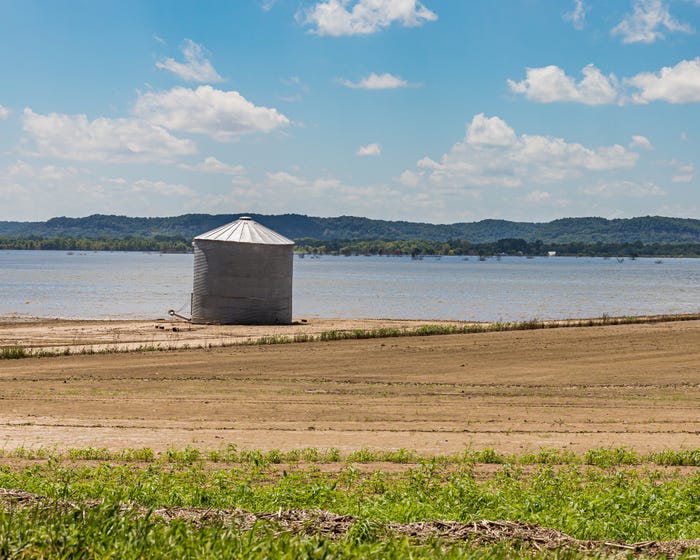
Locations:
(161, 244)
(509, 246)
(414, 247)
(648, 229)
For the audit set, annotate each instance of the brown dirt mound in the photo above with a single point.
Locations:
(331, 525)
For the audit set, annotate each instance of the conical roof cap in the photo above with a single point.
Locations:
(245, 230)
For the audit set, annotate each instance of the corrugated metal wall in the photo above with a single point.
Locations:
(242, 283)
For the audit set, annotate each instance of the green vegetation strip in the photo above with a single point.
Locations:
(230, 454)
(18, 351)
(419, 248)
(354, 533)
(246, 504)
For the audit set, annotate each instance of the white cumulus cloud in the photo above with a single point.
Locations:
(487, 132)
(378, 81)
(213, 165)
(676, 84)
(373, 149)
(493, 155)
(341, 17)
(112, 140)
(223, 115)
(195, 68)
(550, 84)
(4, 112)
(642, 142)
(647, 23)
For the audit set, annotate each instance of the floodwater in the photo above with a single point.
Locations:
(103, 285)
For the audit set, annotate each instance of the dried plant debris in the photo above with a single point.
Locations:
(330, 525)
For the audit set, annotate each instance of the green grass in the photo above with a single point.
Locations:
(108, 532)
(603, 495)
(676, 458)
(230, 454)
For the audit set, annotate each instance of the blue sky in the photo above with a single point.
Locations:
(435, 110)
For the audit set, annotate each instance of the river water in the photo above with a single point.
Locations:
(103, 285)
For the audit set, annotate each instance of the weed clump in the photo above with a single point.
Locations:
(612, 457)
(13, 352)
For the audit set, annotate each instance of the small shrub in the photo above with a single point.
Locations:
(363, 455)
(274, 339)
(303, 337)
(13, 352)
(611, 457)
(400, 456)
(255, 456)
(331, 455)
(144, 454)
(227, 455)
(683, 458)
(490, 456)
(183, 456)
(310, 454)
(31, 453)
(90, 454)
(532, 324)
(274, 456)
(485, 456)
(550, 457)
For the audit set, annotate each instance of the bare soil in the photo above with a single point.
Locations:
(636, 386)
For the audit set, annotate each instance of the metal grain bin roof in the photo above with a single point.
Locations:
(245, 230)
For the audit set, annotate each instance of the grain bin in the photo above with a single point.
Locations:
(242, 275)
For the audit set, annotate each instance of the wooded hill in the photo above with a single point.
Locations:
(649, 229)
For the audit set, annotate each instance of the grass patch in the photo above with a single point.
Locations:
(612, 457)
(96, 502)
(13, 352)
(685, 458)
(582, 500)
(109, 531)
(230, 455)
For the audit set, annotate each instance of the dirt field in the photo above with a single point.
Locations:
(578, 388)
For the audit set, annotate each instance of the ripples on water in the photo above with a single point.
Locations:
(146, 285)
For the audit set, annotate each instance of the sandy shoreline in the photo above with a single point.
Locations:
(74, 336)
(635, 385)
